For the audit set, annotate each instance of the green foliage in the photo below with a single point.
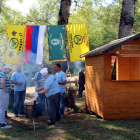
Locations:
(2, 46)
(102, 21)
(136, 27)
(44, 13)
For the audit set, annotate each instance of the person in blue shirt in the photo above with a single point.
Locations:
(5, 89)
(19, 80)
(62, 81)
(41, 98)
(35, 79)
(52, 92)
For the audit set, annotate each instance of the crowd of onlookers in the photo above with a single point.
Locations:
(50, 88)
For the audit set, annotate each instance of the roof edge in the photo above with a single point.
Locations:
(113, 47)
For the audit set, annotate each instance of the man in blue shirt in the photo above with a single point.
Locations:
(5, 89)
(52, 92)
(19, 80)
(62, 81)
(41, 98)
(35, 79)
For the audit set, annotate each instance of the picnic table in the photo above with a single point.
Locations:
(74, 81)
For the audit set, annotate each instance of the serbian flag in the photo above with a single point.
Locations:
(14, 45)
(78, 41)
(34, 44)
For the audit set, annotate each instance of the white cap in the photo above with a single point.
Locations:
(9, 66)
(44, 71)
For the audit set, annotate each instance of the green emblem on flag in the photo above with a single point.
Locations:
(56, 42)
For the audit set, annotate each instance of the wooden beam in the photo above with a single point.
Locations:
(116, 68)
(126, 55)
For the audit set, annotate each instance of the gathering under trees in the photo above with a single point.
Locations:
(105, 22)
(73, 65)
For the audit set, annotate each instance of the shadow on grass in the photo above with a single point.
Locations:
(25, 131)
(72, 127)
(92, 128)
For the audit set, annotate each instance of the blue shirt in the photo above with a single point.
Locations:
(19, 77)
(36, 75)
(42, 80)
(35, 78)
(52, 85)
(61, 77)
(7, 83)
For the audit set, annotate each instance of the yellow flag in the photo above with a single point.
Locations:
(14, 46)
(78, 41)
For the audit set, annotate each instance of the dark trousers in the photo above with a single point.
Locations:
(81, 88)
(62, 104)
(41, 103)
(19, 97)
(54, 107)
(47, 100)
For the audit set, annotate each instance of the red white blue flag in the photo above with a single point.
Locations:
(34, 44)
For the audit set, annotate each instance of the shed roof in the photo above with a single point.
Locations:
(110, 46)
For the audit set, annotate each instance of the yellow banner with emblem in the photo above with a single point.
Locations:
(14, 44)
(78, 41)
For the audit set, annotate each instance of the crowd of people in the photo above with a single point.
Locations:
(51, 89)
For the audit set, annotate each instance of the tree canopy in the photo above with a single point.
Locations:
(102, 19)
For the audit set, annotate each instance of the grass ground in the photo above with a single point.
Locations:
(75, 126)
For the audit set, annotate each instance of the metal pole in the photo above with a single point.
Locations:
(33, 123)
(24, 122)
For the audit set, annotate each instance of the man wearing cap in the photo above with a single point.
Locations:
(81, 82)
(52, 91)
(5, 89)
(61, 79)
(19, 80)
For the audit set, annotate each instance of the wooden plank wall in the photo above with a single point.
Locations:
(94, 87)
(128, 68)
(121, 99)
(135, 68)
(124, 68)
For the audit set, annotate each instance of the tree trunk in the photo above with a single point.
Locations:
(127, 18)
(126, 23)
(64, 13)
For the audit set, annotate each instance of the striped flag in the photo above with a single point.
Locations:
(34, 44)
(29, 30)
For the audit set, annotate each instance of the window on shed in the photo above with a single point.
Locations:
(126, 68)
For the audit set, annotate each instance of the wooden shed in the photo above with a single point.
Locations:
(120, 98)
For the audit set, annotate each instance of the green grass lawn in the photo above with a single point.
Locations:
(75, 126)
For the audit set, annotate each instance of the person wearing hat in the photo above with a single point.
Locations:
(52, 92)
(5, 89)
(19, 80)
(81, 82)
